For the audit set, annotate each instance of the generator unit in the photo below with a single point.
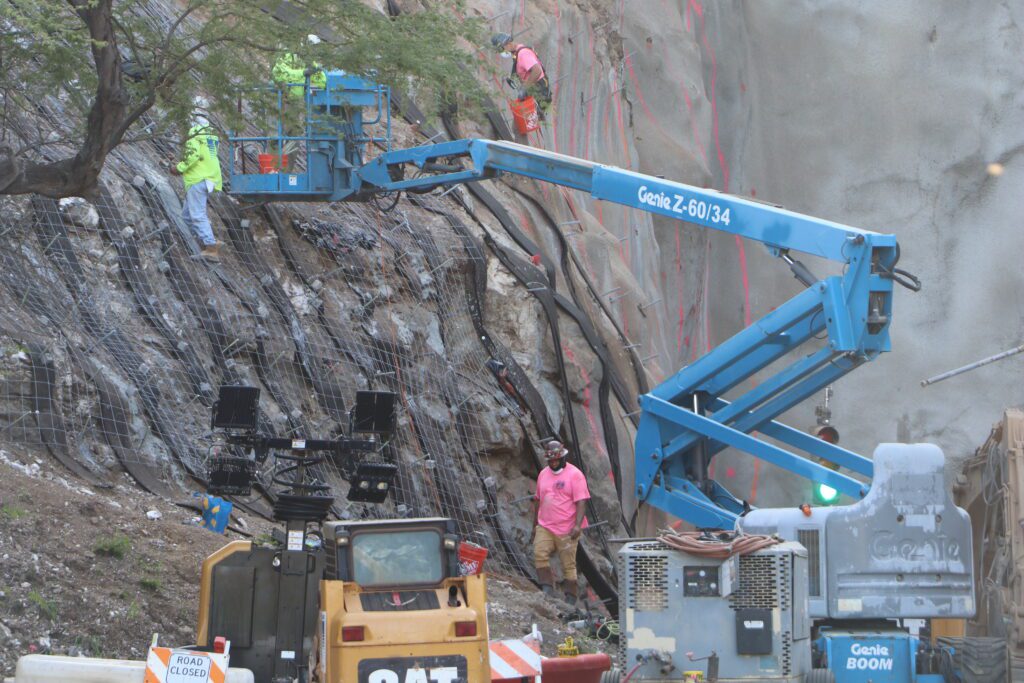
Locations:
(746, 615)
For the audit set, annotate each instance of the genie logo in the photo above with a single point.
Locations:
(885, 545)
(869, 658)
(659, 200)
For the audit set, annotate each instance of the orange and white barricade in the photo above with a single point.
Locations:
(515, 660)
(171, 665)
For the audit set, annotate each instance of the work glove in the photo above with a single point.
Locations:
(523, 94)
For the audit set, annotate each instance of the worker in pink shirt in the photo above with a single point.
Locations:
(526, 70)
(562, 494)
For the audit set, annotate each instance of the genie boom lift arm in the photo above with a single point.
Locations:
(685, 420)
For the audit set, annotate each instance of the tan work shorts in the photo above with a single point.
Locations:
(545, 544)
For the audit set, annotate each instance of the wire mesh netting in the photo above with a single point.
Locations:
(116, 337)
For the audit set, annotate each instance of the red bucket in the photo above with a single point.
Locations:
(578, 669)
(524, 113)
(272, 163)
(471, 558)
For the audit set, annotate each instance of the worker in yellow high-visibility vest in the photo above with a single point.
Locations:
(200, 169)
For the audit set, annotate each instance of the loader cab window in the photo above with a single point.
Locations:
(397, 558)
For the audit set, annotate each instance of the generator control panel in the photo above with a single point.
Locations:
(701, 581)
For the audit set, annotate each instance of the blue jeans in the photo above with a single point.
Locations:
(193, 212)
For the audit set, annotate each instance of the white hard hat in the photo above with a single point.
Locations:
(555, 449)
(313, 39)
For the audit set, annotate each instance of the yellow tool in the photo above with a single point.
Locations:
(568, 648)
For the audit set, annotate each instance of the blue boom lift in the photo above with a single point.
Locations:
(914, 558)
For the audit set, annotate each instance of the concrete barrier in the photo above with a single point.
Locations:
(55, 669)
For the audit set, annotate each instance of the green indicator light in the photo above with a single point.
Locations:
(825, 494)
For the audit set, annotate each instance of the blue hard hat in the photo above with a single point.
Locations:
(500, 40)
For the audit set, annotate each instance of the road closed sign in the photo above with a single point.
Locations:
(168, 665)
(188, 667)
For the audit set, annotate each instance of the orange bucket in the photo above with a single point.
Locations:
(524, 113)
(272, 163)
(471, 558)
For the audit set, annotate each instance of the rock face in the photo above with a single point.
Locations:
(883, 119)
(115, 337)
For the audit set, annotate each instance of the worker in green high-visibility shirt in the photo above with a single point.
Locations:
(289, 74)
(290, 71)
(200, 169)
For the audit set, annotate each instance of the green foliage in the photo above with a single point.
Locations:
(264, 539)
(46, 608)
(174, 50)
(12, 512)
(91, 645)
(116, 546)
(150, 570)
(150, 583)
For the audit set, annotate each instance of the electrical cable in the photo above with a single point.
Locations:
(306, 500)
(900, 276)
(380, 202)
(610, 628)
(719, 545)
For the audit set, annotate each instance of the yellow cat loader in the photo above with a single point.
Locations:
(361, 602)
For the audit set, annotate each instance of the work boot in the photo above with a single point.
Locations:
(570, 592)
(546, 580)
(211, 252)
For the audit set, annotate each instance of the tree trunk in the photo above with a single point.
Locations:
(77, 175)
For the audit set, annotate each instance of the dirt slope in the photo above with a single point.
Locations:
(84, 571)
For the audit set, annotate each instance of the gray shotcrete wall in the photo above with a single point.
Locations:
(887, 116)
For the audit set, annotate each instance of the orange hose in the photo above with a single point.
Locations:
(719, 545)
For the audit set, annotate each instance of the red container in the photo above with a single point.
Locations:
(524, 113)
(471, 558)
(579, 669)
(272, 163)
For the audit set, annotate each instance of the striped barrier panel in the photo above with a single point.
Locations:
(168, 665)
(515, 660)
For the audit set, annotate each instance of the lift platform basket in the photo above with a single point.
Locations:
(524, 112)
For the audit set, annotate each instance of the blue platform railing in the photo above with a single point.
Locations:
(331, 142)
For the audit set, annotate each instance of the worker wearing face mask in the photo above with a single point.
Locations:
(527, 70)
(561, 497)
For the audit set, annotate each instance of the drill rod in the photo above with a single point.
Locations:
(971, 366)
